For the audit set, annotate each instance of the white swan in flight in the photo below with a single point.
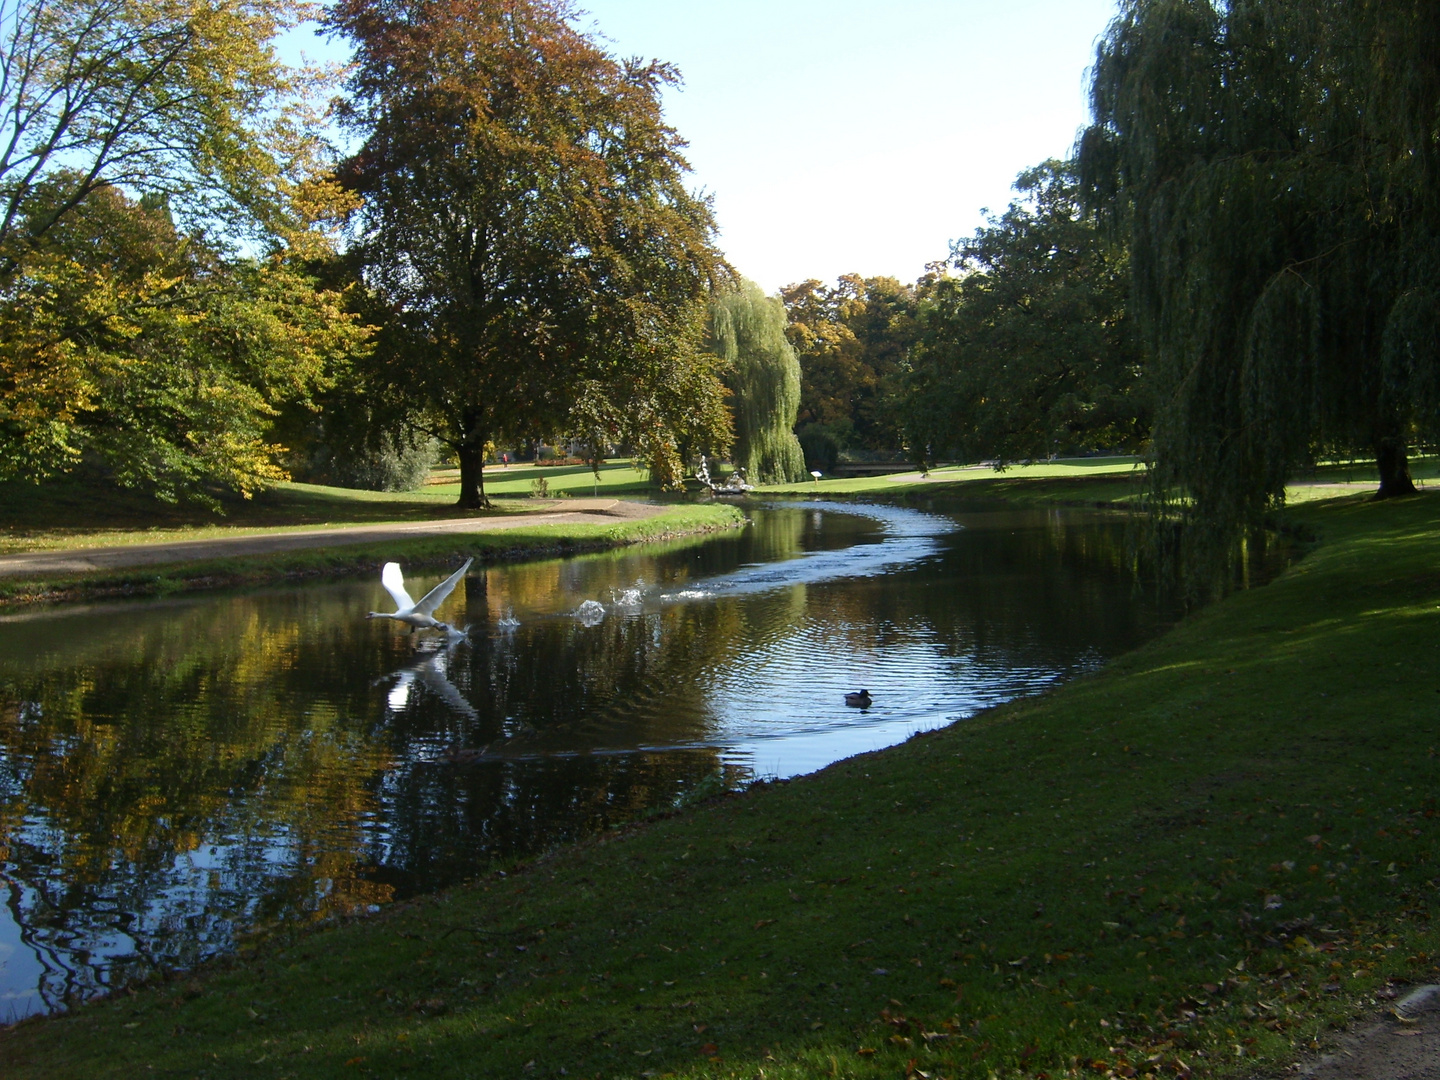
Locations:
(418, 616)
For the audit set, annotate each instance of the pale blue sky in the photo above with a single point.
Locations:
(847, 135)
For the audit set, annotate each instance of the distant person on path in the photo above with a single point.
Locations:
(505, 460)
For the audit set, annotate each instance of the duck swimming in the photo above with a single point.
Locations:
(859, 700)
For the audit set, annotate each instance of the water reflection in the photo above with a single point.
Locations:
(175, 773)
(430, 671)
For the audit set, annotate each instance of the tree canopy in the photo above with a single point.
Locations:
(1273, 166)
(144, 145)
(149, 355)
(1026, 350)
(747, 329)
(851, 339)
(527, 228)
(181, 98)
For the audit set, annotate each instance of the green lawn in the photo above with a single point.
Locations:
(1118, 481)
(63, 515)
(616, 478)
(520, 542)
(1111, 480)
(1193, 862)
(73, 515)
(68, 514)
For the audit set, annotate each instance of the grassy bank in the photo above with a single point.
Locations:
(521, 542)
(616, 478)
(1191, 863)
(67, 514)
(1116, 481)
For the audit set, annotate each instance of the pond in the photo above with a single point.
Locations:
(178, 773)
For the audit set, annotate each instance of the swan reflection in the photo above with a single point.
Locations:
(432, 670)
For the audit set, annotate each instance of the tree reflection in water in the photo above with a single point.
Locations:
(174, 774)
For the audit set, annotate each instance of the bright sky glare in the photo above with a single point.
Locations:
(846, 135)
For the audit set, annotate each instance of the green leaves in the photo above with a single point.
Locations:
(747, 330)
(527, 228)
(149, 356)
(1027, 351)
(180, 98)
(1272, 167)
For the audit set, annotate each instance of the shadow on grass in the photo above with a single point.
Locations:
(69, 507)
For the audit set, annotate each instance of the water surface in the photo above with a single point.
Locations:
(174, 773)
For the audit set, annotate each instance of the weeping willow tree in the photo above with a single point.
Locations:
(1272, 166)
(747, 330)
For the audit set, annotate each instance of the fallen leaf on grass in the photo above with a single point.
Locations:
(709, 1049)
(763, 923)
(866, 1051)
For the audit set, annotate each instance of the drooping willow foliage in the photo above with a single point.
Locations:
(747, 329)
(1273, 167)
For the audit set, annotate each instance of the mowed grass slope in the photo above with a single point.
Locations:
(1116, 480)
(67, 514)
(1193, 862)
(530, 541)
(616, 478)
(1109, 481)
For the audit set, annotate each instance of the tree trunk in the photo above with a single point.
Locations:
(1394, 462)
(472, 476)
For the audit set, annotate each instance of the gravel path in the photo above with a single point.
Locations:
(82, 560)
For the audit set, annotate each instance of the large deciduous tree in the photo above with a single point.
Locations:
(1273, 164)
(527, 225)
(1026, 350)
(747, 329)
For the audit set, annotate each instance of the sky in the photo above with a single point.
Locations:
(841, 136)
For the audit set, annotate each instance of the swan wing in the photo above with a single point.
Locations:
(436, 596)
(394, 583)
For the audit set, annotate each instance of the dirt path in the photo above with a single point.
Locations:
(1404, 1044)
(82, 560)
